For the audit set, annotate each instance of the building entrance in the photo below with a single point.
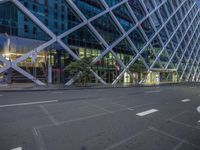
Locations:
(48, 67)
(57, 60)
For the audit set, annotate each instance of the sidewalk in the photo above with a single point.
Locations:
(26, 87)
(31, 87)
(17, 87)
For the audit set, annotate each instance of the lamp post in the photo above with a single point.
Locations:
(33, 59)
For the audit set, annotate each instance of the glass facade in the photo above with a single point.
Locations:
(129, 42)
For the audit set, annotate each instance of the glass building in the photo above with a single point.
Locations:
(129, 41)
(198, 2)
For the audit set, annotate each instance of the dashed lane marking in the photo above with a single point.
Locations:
(141, 114)
(19, 148)
(198, 109)
(148, 92)
(58, 92)
(192, 87)
(30, 103)
(131, 109)
(185, 100)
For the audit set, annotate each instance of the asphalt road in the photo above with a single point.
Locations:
(143, 118)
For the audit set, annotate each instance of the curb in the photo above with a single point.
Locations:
(89, 87)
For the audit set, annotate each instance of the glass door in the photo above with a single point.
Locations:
(58, 60)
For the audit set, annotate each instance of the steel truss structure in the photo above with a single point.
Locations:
(187, 48)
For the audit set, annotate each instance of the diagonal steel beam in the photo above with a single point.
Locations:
(191, 67)
(173, 32)
(139, 54)
(189, 57)
(7, 64)
(182, 38)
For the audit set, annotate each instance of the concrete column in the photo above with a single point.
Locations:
(49, 74)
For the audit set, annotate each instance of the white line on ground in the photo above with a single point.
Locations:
(177, 115)
(184, 124)
(199, 121)
(125, 140)
(30, 103)
(19, 148)
(169, 135)
(179, 145)
(152, 92)
(1, 95)
(131, 109)
(198, 109)
(53, 120)
(38, 138)
(58, 92)
(193, 87)
(165, 133)
(98, 107)
(82, 118)
(147, 112)
(100, 90)
(185, 100)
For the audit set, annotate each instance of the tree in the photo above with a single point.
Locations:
(80, 66)
(138, 66)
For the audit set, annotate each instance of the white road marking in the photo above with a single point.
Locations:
(198, 109)
(53, 120)
(38, 138)
(126, 140)
(199, 121)
(192, 87)
(30, 103)
(131, 109)
(152, 92)
(1, 95)
(169, 135)
(82, 118)
(58, 92)
(98, 107)
(177, 115)
(185, 100)
(184, 124)
(146, 112)
(179, 145)
(100, 90)
(19, 148)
